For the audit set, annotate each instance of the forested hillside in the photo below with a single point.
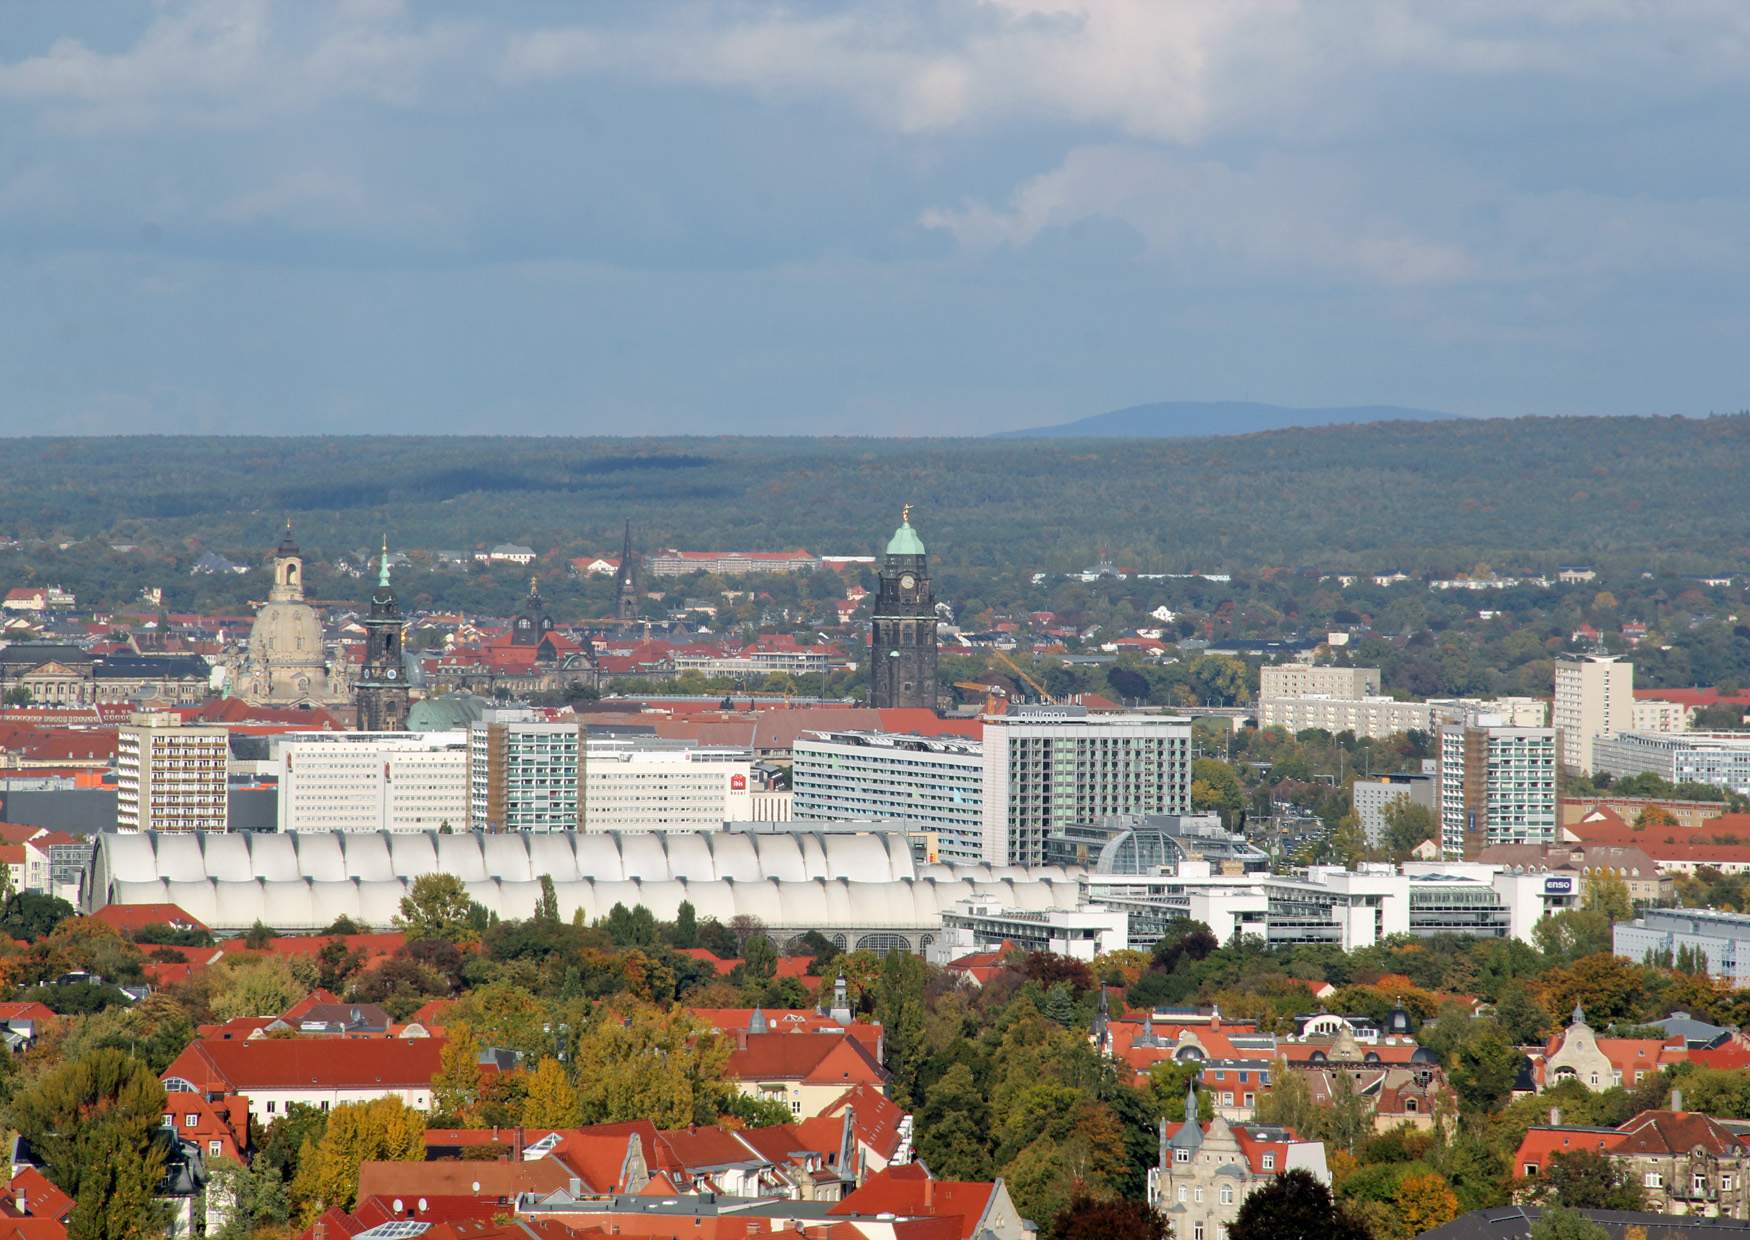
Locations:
(1437, 495)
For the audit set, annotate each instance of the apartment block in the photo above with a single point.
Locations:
(372, 781)
(525, 773)
(170, 776)
(1497, 785)
(1290, 680)
(1594, 696)
(1370, 795)
(937, 782)
(1050, 767)
(1720, 759)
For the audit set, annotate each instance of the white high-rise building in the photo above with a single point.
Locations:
(1292, 680)
(171, 776)
(1496, 785)
(525, 773)
(1594, 696)
(1054, 766)
(372, 781)
(934, 781)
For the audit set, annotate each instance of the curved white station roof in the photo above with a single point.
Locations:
(792, 881)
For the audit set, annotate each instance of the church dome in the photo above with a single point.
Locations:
(286, 647)
(905, 540)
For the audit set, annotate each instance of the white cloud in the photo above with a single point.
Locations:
(1280, 217)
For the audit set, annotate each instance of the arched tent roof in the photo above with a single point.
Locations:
(792, 882)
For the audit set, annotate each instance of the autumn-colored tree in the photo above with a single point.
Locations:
(254, 986)
(642, 1063)
(1655, 816)
(1424, 1202)
(94, 1123)
(381, 1130)
(455, 1088)
(1607, 986)
(549, 1100)
(503, 1014)
(1088, 1218)
(1608, 894)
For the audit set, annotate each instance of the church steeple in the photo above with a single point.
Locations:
(288, 570)
(626, 580)
(534, 623)
(381, 690)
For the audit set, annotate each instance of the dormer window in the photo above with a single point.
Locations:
(1181, 1156)
(1269, 1162)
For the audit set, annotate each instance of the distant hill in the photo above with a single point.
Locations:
(1184, 419)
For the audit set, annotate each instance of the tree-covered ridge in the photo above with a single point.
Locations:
(1390, 494)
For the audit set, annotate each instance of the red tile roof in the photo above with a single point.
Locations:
(41, 1198)
(132, 918)
(820, 1059)
(875, 1118)
(215, 1066)
(909, 1191)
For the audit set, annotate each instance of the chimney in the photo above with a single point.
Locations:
(320, 1232)
(1677, 1100)
(929, 1194)
(1555, 1117)
(516, 1143)
(23, 1205)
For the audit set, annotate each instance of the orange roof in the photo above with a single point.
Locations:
(908, 1190)
(25, 1009)
(41, 1198)
(822, 1059)
(215, 1066)
(455, 1177)
(875, 1118)
(132, 918)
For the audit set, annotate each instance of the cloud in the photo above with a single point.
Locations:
(215, 64)
(1280, 217)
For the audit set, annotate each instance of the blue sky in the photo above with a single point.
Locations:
(899, 216)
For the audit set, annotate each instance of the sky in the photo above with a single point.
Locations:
(895, 217)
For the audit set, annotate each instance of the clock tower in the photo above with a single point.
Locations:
(902, 638)
(382, 685)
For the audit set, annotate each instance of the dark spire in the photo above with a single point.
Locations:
(287, 546)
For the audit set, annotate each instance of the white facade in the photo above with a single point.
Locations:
(1724, 938)
(1594, 696)
(1657, 715)
(372, 781)
(524, 773)
(171, 777)
(1720, 759)
(937, 782)
(632, 787)
(1081, 934)
(1051, 767)
(1292, 680)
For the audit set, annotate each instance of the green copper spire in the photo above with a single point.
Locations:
(905, 540)
(383, 572)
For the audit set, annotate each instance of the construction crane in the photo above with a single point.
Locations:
(996, 698)
(1038, 689)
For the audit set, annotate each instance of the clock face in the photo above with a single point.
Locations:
(390, 673)
(907, 581)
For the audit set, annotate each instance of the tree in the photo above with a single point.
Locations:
(549, 1100)
(686, 925)
(547, 907)
(30, 915)
(647, 1064)
(1407, 824)
(1293, 1206)
(251, 1197)
(438, 907)
(1561, 1224)
(1585, 1180)
(258, 936)
(455, 1087)
(1608, 894)
(1425, 1201)
(954, 1127)
(381, 1130)
(260, 986)
(1484, 1068)
(1088, 1218)
(1522, 1018)
(94, 1122)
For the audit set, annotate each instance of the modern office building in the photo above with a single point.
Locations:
(645, 785)
(1594, 696)
(372, 781)
(1720, 759)
(170, 776)
(1658, 934)
(1048, 767)
(936, 781)
(1497, 785)
(1292, 680)
(1378, 717)
(1370, 795)
(525, 773)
